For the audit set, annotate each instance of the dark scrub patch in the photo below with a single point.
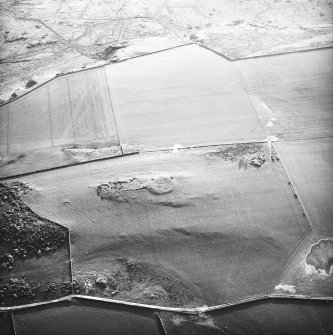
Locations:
(321, 255)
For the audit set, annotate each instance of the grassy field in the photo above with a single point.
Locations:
(309, 166)
(87, 318)
(264, 317)
(292, 93)
(62, 112)
(69, 119)
(6, 324)
(187, 96)
(224, 232)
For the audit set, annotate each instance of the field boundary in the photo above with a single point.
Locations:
(306, 215)
(163, 50)
(66, 166)
(188, 147)
(282, 53)
(193, 310)
(90, 69)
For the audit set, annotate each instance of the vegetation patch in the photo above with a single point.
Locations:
(16, 288)
(321, 256)
(246, 154)
(130, 280)
(24, 234)
(116, 189)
